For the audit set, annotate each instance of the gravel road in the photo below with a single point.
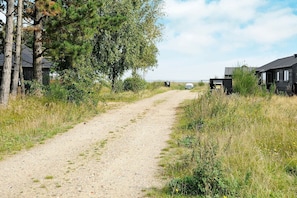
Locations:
(115, 154)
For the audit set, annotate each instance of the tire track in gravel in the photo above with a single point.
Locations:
(115, 154)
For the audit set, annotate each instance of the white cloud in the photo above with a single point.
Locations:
(272, 27)
(210, 36)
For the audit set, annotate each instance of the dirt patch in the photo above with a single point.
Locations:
(115, 154)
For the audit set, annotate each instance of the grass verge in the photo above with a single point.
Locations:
(232, 146)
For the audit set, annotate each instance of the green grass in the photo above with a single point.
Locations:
(232, 146)
(32, 120)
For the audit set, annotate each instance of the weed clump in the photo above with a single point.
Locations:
(207, 178)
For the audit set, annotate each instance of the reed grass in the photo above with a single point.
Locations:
(253, 139)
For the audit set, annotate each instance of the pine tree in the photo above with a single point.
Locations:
(69, 35)
(38, 11)
(7, 67)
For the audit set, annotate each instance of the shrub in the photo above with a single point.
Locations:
(119, 86)
(245, 82)
(134, 84)
(207, 178)
(201, 83)
(78, 85)
(57, 92)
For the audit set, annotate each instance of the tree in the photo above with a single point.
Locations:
(68, 39)
(37, 12)
(42, 10)
(148, 12)
(18, 64)
(132, 44)
(7, 67)
(69, 35)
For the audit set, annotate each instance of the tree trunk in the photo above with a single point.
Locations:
(18, 63)
(37, 46)
(22, 80)
(7, 66)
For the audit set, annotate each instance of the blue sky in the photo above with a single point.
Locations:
(202, 37)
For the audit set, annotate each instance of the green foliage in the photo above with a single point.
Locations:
(131, 45)
(134, 84)
(79, 85)
(201, 83)
(118, 86)
(69, 34)
(154, 85)
(245, 82)
(207, 178)
(34, 88)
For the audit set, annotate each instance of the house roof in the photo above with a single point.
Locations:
(279, 63)
(27, 59)
(229, 70)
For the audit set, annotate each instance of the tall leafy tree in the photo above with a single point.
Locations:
(148, 13)
(132, 45)
(7, 67)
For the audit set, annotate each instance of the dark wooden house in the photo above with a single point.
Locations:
(281, 72)
(27, 63)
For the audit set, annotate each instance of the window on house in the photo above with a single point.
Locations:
(263, 78)
(277, 76)
(286, 75)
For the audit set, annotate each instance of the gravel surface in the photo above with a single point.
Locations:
(115, 154)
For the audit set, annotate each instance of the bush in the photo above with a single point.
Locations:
(207, 178)
(119, 86)
(245, 82)
(56, 92)
(201, 83)
(134, 84)
(77, 85)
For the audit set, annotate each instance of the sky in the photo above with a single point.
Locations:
(202, 37)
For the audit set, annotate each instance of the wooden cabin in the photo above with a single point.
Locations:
(281, 72)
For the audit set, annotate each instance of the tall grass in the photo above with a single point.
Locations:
(234, 146)
(32, 120)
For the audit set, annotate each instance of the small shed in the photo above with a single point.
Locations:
(27, 63)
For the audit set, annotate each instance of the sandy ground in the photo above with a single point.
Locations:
(114, 155)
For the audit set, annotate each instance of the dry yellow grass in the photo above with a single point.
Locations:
(32, 120)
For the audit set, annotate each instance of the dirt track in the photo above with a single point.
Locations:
(114, 155)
